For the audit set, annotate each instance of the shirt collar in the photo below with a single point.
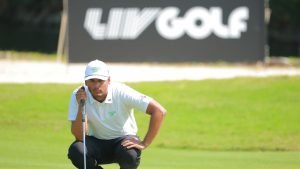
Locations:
(108, 98)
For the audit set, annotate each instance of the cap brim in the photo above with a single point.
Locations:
(96, 77)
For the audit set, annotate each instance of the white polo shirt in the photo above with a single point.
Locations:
(114, 117)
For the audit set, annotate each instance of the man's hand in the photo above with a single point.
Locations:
(133, 142)
(80, 95)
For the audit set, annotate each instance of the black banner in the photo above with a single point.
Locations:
(166, 30)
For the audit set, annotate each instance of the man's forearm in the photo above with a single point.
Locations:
(76, 127)
(154, 126)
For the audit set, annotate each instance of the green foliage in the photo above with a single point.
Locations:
(283, 28)
(285, 12)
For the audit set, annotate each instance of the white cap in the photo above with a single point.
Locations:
(96, 70)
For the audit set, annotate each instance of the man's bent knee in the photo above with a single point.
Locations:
(129, 158)
(75, 154)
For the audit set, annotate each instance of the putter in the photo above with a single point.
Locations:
(82, 103)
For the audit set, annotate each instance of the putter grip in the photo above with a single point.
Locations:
(82, 102)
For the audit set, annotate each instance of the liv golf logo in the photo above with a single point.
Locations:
(197, 22)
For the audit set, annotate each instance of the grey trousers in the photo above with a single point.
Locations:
(104, 152)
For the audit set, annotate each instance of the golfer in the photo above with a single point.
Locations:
(110, 124)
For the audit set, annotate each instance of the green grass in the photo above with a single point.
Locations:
(239, 114)
(293, 61)
(191, 159)
(34, 56)
(250, 123)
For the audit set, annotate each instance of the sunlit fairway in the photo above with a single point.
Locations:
(249, 123)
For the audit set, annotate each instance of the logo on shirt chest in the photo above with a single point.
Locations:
(111, 113)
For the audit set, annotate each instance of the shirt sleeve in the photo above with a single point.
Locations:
(73, 107)
(135, 99)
